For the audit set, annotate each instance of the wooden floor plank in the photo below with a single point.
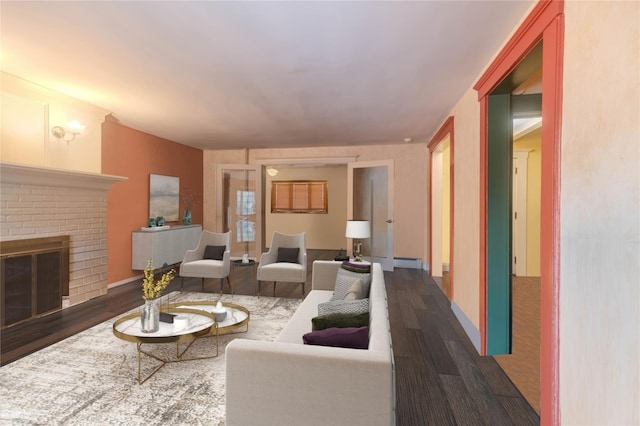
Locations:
(462, 404)
(434, 346)
(427, 384)
(489, 408)
(500, 383)
(407, 311)
(519, 410)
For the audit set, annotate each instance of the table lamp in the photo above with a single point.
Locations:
(358, 229)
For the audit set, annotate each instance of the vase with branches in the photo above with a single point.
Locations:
(151, 291)
(189, 201)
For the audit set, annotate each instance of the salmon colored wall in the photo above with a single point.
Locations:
(134, 154)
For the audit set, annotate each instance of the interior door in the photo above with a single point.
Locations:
(370, 197)
(238, 207)
(519, 214)
(498, 225)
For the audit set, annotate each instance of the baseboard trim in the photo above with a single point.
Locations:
(126, 281)
(467, 325)
(407, 262)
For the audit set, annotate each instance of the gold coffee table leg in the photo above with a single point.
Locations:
(162, 364)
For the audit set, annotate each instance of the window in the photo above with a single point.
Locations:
(299, 196)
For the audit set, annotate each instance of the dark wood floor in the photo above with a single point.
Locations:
(440, 378)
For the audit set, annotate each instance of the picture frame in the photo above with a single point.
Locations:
(164, 197)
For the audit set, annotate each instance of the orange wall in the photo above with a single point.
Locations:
(135, 155)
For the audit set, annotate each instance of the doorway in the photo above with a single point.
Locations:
(370, 197)
(441, 212)
(365, 183)
(544, 24)
(237, 208)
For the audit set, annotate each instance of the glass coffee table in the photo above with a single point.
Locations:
(201, 323)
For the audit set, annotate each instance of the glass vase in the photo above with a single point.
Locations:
(186, 218)
(150, 318)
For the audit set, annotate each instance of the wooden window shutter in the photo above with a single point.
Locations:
(299, 197)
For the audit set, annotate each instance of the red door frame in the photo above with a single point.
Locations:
(546, 23)
(446, 128)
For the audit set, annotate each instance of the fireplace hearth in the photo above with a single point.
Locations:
(34, 275)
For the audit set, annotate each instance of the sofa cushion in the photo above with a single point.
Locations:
(288, 255)
(343, 307)
(339, 321)
(214, 252)
(356, 291)
(345, 279)
(349, 337)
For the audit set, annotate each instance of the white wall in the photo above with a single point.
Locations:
(600, 215)
(30, 111)
(436, 213)
(466, 215)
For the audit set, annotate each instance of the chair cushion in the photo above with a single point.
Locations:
(214, 252)
(339, 321)
(205, 268)
(283, 271)
(288, 255)
(349, 337)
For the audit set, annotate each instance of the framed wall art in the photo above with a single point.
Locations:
(164, 197)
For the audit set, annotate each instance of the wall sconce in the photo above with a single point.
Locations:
(357, 229)
(69, 133)
(272, 171)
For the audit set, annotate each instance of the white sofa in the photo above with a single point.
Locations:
(289, 383)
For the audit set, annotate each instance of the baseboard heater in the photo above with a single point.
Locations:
(407, 262)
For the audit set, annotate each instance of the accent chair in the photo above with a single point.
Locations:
(286, 260)
(210, 259)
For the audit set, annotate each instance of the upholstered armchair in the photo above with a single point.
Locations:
(210, 259)
(286, 261)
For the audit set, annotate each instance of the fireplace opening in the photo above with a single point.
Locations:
(34, 277)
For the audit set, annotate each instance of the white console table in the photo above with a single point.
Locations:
(163, 246)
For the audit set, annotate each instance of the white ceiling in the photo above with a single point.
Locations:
(255, 74)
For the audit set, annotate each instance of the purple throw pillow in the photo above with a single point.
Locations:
(348, 337)
(356, 267)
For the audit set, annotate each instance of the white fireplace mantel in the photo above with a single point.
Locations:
(13, 173)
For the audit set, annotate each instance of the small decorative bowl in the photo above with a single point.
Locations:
(220, 316)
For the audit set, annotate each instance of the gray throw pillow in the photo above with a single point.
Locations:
(344, 307)
(214, 252)
(356, 291)
(345, 279)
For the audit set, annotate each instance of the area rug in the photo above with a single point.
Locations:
(91, 378)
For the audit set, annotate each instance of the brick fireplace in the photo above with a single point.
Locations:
(45, 202)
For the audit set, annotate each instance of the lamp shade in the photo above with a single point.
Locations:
(358, 229)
